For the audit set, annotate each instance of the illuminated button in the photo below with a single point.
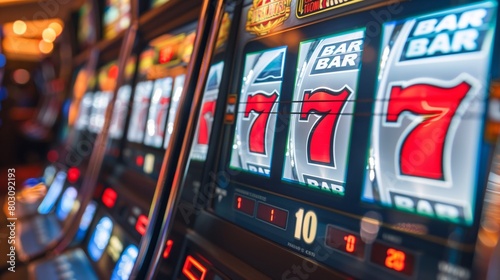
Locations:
(109, 197)
(392, 258)
(149, 163)
(100, 238)
(52, 155)
(244, 204)
(125, 264)
(168, 248)
(73, 174)
(193, 269)
(345, 241)
(139, 160)
(142, 223)
(272, 215)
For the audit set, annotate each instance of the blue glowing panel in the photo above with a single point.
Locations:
(66, 203)
(87, 217)
(53, 193)
(125, 263)
(48, 174)
(100, 238)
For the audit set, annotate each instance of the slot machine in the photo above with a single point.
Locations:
(65, 157)
(37, 231)
(356, 141)
(126, 190)
(117, 218)
(71, 145)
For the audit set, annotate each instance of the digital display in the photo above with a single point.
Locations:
(53, 193)
(116, 17)
(83, 118)
(66, 203)
(100, 238)
(392, 258)
(244, 204)
(178, 85)
(158, 110)
(345, 241)
(87, 217)
(125, 264)
(322, 111)
(205, 120)
(140, 106)
(257, 111)
(141, 224)
(272, 215)
(120, 112)
(429, 113)
(109, 197)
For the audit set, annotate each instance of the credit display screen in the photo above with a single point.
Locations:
(100, 238)
(256, 115)
(429, 113)
(323, 106)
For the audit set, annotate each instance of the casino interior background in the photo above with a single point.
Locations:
(240, 139)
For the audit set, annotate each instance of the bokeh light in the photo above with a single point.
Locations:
(19, 27)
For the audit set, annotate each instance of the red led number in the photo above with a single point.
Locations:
(261, 104)
(350, 243)
(327, 104)
(395, 259)
(437, 106)
(207, 112)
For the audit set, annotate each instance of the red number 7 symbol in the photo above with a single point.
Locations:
(437, 106)
(261, 104)
(208, 108)
(327, 104)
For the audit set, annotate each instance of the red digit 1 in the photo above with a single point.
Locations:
(437, 105)
(327, 104)
(262, 105)
(208, 108)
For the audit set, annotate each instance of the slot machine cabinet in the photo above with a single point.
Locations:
(329, 164)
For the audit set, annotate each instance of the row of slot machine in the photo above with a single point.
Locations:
(326, 142)
(110, 225)
(341, 152)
